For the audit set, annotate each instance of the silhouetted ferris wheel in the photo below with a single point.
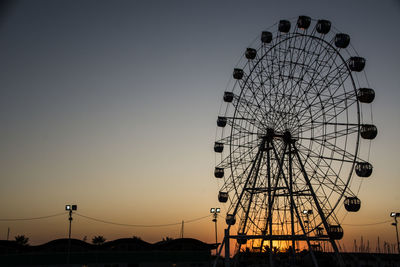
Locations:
(290, 136)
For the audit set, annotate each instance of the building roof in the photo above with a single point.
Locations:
(122, 244)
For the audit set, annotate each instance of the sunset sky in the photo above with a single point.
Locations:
(111, 105)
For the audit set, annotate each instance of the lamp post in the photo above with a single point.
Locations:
(395, 215)
(215, 212)
(70, 208)
(308, 213)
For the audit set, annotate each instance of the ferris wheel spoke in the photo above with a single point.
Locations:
(240, 157)
(336, 133)
(337, 108)
(265, 99)
(282, 54)
(244, 107)
(322, 211)
(236, 126)
(315, 71)
(306, 70)
(249, 110)
(316, 167)
(294, 63)
(250, 86)
(295, 86)
(327, 83)
(342, 154)
(319, 88)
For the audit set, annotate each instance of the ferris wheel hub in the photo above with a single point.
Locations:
(270, 134)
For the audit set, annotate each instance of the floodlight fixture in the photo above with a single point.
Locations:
(394, 215)
(70, 208)
(308, 212)
(215, 212)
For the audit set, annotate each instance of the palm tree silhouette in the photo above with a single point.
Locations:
(22, 240)
(98, 240)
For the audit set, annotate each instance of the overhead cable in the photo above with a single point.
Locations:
(367, 224)
(140, 225)
(33, 218)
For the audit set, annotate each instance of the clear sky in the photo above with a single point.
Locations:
(112, 105)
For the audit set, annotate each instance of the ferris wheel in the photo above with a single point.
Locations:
(293, 129)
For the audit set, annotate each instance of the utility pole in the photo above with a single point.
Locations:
(215, 212)
(182, 229)
(70, 208)
(215, 222)
(395, 215)
(227, 245)
(379, 246)
(8, 233)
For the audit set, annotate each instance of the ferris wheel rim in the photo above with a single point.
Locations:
(354, 88)
(239, 170)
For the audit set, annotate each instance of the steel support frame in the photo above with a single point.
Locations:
(291, 150)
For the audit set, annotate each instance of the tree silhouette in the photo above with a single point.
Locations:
(22, 240)
(167, 239)
(98, 240)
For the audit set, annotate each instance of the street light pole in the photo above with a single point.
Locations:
(70, 223)
(215, 221)
(70, 208)
(395, 215)
(215, 212)
(308, 213)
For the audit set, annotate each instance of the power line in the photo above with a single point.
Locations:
(367, 224)
(144, 225)
(33, 218)
(140, 225)
(102, 221)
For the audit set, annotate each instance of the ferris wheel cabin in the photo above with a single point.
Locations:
(219, 172)
(230, 219)
(356, 63)
(223, 197)
(284, 26)
(352, 204)
(228, 97)
(365, 95)
(368, 131)
(335, 232)
(251, 53)
(364, 169)
(238, 74)
(266, 37)
(342, 40)
(218, 147)
(242, 240)
(221, 121)
(323, 26)
(303, 22)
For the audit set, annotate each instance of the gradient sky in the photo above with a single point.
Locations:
(112, 105)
